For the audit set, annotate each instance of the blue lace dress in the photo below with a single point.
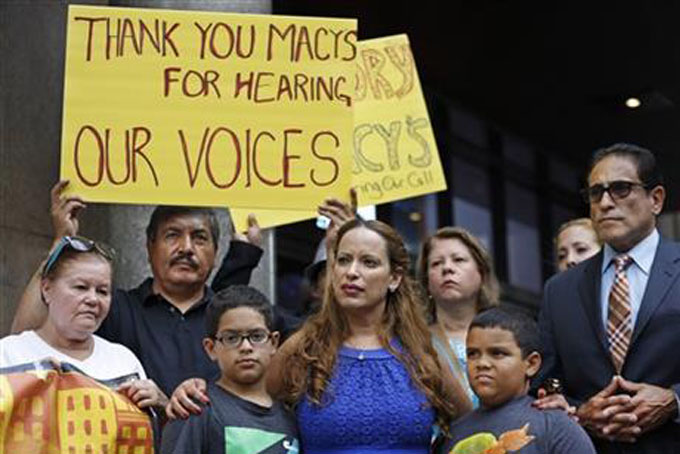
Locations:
(370, 406)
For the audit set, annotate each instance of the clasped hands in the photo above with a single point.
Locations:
(624, 410)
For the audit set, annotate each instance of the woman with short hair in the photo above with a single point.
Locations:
(456, 272)
(76, 286)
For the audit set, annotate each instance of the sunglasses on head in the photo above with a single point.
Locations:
(617, 190)
(78, 244)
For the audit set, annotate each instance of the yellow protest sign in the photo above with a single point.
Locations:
(395, 152)
(267, 218)
(206, 108)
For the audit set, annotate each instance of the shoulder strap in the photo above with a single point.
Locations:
(441, 343)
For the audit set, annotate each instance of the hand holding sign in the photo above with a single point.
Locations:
(64, 211)
(252, 235)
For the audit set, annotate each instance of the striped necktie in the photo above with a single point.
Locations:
(619, 319)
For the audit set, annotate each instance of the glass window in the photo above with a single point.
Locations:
(522, 238)
(476, 219)
(560, 215)
(518, 152)
(564, 175)
(472, 200)
(414, 219)
(431, 211)
(468, 127)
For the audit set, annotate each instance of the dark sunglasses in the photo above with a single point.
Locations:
(617, 190)
(78, 244)
(234, 339)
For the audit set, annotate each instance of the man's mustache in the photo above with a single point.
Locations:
(185, 257)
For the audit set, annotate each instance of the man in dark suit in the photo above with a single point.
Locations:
(611, 325)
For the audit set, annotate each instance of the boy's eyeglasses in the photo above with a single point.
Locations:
(234, 339)
(78, 244)
(617, 190)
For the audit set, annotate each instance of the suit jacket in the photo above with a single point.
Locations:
(576, 349)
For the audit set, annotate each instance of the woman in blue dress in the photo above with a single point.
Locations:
(362, 373)
(457, 273)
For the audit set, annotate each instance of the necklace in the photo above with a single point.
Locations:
(362, 350)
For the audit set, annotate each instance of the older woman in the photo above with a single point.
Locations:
(362, 372)
(457, 273)
(576, 241)
(76, 288)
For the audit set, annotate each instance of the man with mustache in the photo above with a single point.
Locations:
(161, 320)
(610, 325)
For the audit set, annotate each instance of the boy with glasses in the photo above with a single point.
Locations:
(242, 416)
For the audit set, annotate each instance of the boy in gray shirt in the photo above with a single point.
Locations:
(503, 354)
(242, 417)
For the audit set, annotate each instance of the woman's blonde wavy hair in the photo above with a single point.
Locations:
(490, 289)
(310, 365)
